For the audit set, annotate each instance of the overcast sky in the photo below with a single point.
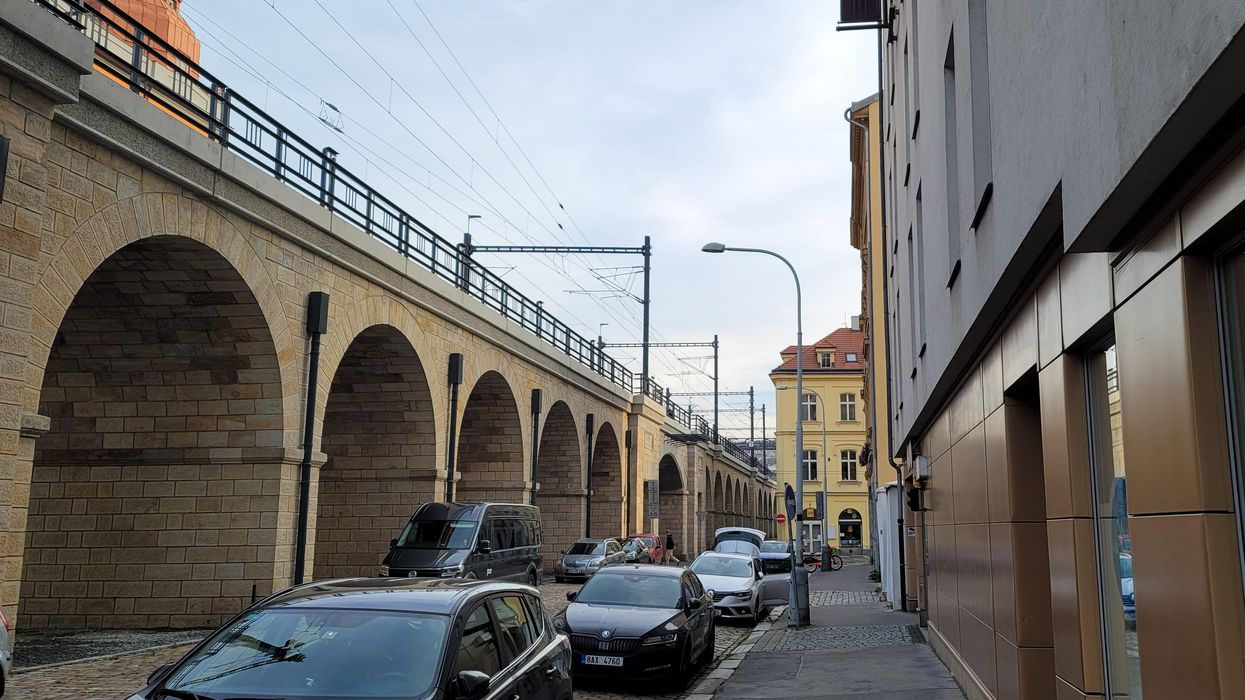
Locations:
(687, 121)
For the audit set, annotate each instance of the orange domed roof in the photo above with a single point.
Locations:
(162, 18)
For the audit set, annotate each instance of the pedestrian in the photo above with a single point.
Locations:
(670, 548)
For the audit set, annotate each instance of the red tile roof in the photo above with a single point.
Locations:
(842, 341)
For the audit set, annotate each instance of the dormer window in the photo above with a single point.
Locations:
(825, 359)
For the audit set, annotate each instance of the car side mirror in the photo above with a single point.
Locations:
(393, 542)
(570, 596)
(156, 673)
(484, 547)
(472, 685)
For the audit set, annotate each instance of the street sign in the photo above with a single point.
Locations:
(780, 518)
(821, 503)
(810, 513)
(652, 498)
(790, 497)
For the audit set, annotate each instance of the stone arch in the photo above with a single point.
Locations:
(674, 506)
(490, 464)
(606, 485)
(153, 215)
(560, 474)
(719, 505)
(731, 515)
(155, 494)
(379, 439)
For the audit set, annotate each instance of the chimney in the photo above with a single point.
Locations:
(855, 323)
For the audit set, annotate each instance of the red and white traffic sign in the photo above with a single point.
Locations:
(780, 518)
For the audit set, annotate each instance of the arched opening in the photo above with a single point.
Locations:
(850, 528)
(732, 515)
(380, 441)
(490, 445)
(746, 506)
(562, 495)
(607, 485)
(719, 507)
(673, 504)
(154, 497)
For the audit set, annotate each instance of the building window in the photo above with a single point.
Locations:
(810, 465)
(847, 465)
(979, 91)
(851, 357)
(847, 407)
(808, 407)
(951, 141)
(825, 359)
(1114, 545)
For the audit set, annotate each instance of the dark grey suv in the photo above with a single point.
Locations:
(358, 639)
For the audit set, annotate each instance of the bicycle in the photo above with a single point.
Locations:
(812, 563)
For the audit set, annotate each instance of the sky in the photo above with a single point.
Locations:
(689, 121)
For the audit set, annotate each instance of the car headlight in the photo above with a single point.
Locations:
(743, 595)
(661, 639)
(596, 563)
(452, 572)
(384, 569)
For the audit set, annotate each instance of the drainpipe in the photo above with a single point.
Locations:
(536, 396)
(588, 480)
(455, 380)
(317, 324)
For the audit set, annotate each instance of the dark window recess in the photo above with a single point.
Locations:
(916, 123)
(951, 112)
(859, 11)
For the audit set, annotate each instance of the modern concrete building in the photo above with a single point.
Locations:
(1064, 209)
(834, 432)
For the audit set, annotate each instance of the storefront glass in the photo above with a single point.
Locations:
(1115, 556)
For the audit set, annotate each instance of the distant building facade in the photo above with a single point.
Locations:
(833, 410)
(1063, 218)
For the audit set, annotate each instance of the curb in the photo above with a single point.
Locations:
(102, 657)
(725, 668)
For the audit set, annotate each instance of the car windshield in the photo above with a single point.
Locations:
(722, 566)
(632, 589)
(776, 566)
(587, 548)
(316, 653)
(773, 546)
(632, 546)
(438, 534)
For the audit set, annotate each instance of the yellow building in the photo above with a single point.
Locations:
(834, 414)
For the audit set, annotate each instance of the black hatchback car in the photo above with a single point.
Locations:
(373, 639)
(640, 622)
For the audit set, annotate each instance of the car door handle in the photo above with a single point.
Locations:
(552, 671)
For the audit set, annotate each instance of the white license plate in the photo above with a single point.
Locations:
(603, 661)
(572, 571)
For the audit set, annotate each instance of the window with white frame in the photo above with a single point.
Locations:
(847, 407)
(825, 359)
(808, 407)
(810, 465)
(847, 465)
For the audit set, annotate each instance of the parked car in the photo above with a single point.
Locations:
(6, 652)
(468, 540)
(586, 557)
(640, 622)
(776, 564)
(740, 540)
(656, 545)
(379, 638)
(636, 552)
(736, 582)
(1126, 587)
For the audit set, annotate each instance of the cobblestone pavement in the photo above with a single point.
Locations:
(820, 598)
(119, 675)
(838, 637)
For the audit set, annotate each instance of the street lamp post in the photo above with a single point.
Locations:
(825, 478)
(797, 611)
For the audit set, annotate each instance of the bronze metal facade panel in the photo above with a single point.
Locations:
(1142, 264)
(1074, 603)
(937, 441)
(1020, 343)
(1171, 397)
(1190, 621)
(968, 456)
(1014, 458)
(1003, 580)
(949, 619)
(1065, 438)
(992, 379)
(940, 493)
(966, 407)
(998, 481)
(977, 649)
(1213, 202)
(972, 550)
(1049, 320)
(1085, 292)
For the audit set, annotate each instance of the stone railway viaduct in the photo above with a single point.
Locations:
(154, 375)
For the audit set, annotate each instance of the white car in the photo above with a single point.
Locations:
(739, 540)
(737, 583)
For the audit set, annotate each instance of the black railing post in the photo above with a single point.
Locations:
(328, 177)
(278, 159)
(136, 61)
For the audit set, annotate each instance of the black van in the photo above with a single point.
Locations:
(468, 540)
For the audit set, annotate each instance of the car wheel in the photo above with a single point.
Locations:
(682, 675)
(532, 579)
(710, 650)
(471, 576)
(559, 579)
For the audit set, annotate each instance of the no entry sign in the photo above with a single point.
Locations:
(780, 518)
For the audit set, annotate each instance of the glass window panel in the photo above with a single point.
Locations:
(1115, 557)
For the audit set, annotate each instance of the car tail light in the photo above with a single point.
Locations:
(5, 621)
